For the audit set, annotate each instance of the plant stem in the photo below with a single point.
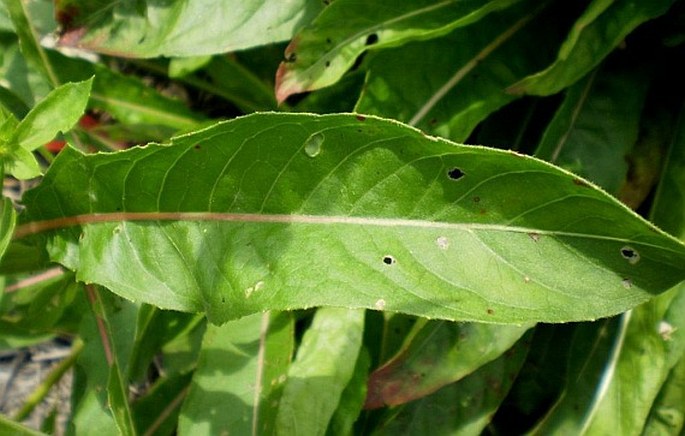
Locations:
(52, 379)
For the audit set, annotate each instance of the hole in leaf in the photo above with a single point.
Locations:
(328, 64)
(292, 57)
(388, 260)
(476, 199)
(630, 254)
(372, 39)
(627, 283)
(455, 174)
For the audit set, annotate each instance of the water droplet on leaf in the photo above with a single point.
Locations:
(312, 146)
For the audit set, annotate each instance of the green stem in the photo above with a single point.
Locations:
(52, 379)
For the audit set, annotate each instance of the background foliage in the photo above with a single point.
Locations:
(334, 262)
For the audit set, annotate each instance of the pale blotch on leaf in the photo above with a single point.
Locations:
(630, 254)
(380, 304)
(252, 289)
(443, 243)
(666, 330)
(627, 283)
(313, 145)
(526, 279)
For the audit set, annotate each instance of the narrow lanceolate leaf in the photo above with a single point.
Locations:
(284, 211)
(465, 407)
(596, 126)
(181, 28)
(591, 363)
(450, 95)
(58, 112)
(239, 377)
(322, 52)
(437, 354)
(323, 367)
(601, 28)
(8, 218)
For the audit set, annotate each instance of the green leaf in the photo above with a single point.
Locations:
(596, 126)
(321, 371)
(22, 164)
(219, 221)
(352, 398)
(239, 377)
(591, 362)
(465, 407)
(182, 27)
(601, 28)
(14, 428)
(29, 38)
(436, 354)
(107, 330)
(117, 396)
(58, 112)
(8, 218)
(179, 67)
(322, 52)
(667, 415)
(449, 95)
(157, 412)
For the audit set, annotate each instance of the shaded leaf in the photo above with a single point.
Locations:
(464, 407)
(180, 28)
(601, 28)
(596, 126)
(591, 361)
(239, 376)
(323, 51)
(157, 412)
(352, 398)
(667, 415)
(321, 371)
(436, 354)
(470, 234)
(449, 95)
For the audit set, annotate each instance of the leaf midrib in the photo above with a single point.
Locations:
(35, 227)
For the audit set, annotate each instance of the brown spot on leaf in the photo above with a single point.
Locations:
(360, 118)
(580, 182)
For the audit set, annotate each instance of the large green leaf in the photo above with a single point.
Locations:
(667, 415)
(239, 376)
(601, 28)
(450, 95)
(284, 211)
(321, 53)
(436, 354)
(180, 27)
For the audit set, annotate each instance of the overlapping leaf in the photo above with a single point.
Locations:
(321, 53)
(181, 27)
(601, 27)
(251, 214)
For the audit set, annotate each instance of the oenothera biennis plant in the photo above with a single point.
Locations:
(290, 211)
